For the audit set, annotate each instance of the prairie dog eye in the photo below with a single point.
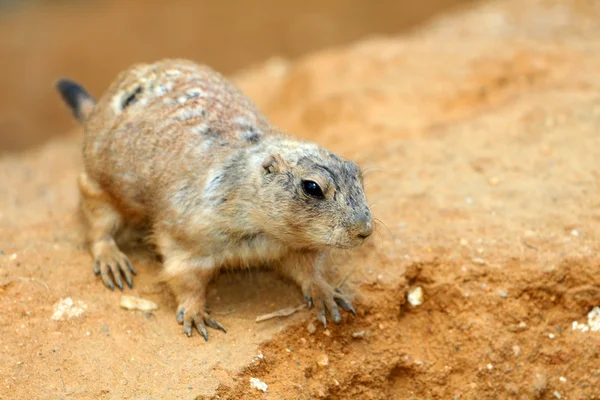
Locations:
(312, 189)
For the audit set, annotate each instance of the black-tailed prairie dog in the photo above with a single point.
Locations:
(176, 147)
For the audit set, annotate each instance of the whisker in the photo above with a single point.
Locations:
(371, 169)
(378, 221)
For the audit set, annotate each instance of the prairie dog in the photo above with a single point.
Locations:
(175, 146)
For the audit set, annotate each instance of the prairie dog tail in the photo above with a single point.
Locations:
(77, 98)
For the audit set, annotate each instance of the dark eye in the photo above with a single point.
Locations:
(312, 189)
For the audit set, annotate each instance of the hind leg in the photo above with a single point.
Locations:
(103, 222)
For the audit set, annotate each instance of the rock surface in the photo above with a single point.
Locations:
(479, 136)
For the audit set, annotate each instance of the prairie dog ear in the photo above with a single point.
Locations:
(273, 164)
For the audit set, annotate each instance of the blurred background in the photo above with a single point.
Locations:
(91, 41)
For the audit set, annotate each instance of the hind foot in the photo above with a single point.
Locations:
(110, 261)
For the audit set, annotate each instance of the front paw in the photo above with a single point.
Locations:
(191, 312)
(324, 298)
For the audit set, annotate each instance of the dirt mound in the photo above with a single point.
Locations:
(479, 139)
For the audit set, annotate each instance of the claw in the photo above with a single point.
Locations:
(323, 320)
(117, 275)
(214, 324)
(130, 266)
(106, 278)
(200, 326)
(335, 314)
(96, 267)
(344, 303)
(180, 316)
(309, 301)
(187, 327)
(129, 281)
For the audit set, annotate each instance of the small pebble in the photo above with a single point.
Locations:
(594, 319)
(67, 308)
(478, 260)
(575, 233)
(311, 328)
(137, 303)
(516, 351)
(557, 395)
(490, 367)
(551, 335)
(323, 360)
(562, 379)
(258, 384)
(358, 335)
(503, 293)
(415, 296)
(576, 326)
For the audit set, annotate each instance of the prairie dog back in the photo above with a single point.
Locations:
(170, 115)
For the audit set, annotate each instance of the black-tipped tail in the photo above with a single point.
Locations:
(76, 97)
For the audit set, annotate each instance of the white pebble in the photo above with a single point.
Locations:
(490, 367)
(576, 326)
(575, 233)
(415, 296)
(311, 328)
(67, 308)
(557, 395)
(137, 303)
(551, 335)
(258, 384)
(478, 260)
(562, 379)
(594, 319)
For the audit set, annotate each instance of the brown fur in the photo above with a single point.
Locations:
(175, 146)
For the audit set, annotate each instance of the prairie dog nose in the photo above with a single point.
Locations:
(364, 226)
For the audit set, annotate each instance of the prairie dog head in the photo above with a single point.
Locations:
(315, 198)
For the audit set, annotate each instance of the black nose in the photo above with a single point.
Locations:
(365, 227)
(365, 234)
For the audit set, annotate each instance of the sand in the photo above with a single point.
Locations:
(478, 134)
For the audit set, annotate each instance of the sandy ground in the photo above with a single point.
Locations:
(479, 138)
